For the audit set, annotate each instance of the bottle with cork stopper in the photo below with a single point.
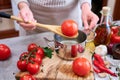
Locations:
(103, 31)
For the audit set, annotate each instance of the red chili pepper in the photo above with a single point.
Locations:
(96, 70)
(103, 69)
(99, 59)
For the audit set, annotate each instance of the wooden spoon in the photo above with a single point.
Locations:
(54, 28)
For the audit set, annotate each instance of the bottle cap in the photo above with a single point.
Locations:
(105, 10)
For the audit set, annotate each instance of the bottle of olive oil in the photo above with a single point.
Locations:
(103, 32)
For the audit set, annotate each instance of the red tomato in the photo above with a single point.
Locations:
(69, 28)
(36, 58)
(32, 46)
(74, 50)
(24, 55)
(81, 66)
(80, 48)
(5, 52)
(40, 51)
(27, 77)
(114, 29)
(22, 65)
(33, 68)
(115, 34)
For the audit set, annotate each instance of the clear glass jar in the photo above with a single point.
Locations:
(103, 31)
(90, 42)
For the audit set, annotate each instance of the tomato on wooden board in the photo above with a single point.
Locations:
(74, 50)
(36, 58)
(115, 34)
(40, 51)
(22, 65)
(24, 56)
(5, 52)
(81, 66)
(32, 46)
(33, 68)
(69, 28)
(27, 77)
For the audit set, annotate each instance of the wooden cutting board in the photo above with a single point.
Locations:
(57, 68)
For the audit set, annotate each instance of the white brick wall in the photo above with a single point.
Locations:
(111, 4)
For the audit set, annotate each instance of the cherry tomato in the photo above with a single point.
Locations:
(27, 77)
(22, 65)
(24, 55)
(5, 52)
(32, 46)
(74, 50)
(69, 28)
(36, 58)
(81, 66)
(40, 51)
(33, 68)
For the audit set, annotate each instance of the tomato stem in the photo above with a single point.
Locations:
(30, 54)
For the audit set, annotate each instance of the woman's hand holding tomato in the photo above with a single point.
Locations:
(5, 52)
(69, 28)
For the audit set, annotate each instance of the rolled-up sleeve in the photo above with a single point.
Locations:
(84, 1)
(18, 1)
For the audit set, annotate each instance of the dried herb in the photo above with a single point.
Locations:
(41, 70)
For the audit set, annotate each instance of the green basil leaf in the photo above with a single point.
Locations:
(48, 52)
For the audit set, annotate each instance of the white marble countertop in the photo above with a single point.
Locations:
(8, 68)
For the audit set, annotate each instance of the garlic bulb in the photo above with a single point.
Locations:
(101, 50)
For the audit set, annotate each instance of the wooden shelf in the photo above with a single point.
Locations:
(9, 33)
(5, 4)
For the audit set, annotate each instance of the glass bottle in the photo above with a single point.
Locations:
(103, 31)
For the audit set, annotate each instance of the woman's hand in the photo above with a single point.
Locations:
(27, 15)
(88, 17)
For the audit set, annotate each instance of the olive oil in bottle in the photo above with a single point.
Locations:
(103, 32)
